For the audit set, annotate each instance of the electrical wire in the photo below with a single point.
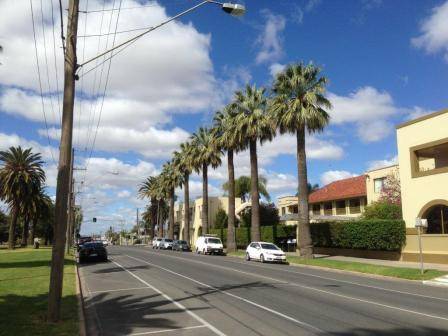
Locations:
(55, 62)
(114, 9)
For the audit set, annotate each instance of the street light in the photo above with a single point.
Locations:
(234, 9)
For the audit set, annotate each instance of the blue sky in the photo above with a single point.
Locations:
(386, 61)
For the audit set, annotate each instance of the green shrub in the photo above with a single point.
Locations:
(268, 215)
(242, 237)
(385, 235)
(383, 210)
(221, 219)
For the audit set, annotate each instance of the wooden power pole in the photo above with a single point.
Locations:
(65, 153)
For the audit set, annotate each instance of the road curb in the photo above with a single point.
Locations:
(81, 315)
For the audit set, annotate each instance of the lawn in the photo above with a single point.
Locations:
(24, 282)
(396, 272)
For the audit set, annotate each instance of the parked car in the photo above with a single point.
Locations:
(263, 252)
(105, 243)
(209, 245)
(156, 243)
(166, 244)
(92, 251)
(181, 245)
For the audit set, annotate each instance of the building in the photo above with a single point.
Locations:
(375, 180)
(423, 160)
(214, 204)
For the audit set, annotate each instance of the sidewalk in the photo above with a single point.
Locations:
(392, 263)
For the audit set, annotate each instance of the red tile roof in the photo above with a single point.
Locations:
(342, 189)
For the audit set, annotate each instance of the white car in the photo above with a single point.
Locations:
(263, 252)
(156, 243)
(105, 243)
(166, 244)
(209, 245)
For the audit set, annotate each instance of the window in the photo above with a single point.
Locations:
(295, 209)
(328, 208)
(340, 207)
(316, 209)
(283, 210)
(378, 184)
(430, 158)
(355, 206)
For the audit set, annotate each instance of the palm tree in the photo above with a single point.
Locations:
(243, 187)
(227, 138)
(42, 205)
(171, 178)
(147, 190)
(20, 172)
(183, 162)
(253, 125)
(204, 153)
(298, 105)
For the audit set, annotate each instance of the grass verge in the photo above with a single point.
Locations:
(24, 283)
(396, 272)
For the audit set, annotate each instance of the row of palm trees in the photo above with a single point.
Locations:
(22, 188)
(296, 104)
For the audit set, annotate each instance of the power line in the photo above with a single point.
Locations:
(114, 9)
(40, 81)
(62, 27)
(118, 32)
(55, 61)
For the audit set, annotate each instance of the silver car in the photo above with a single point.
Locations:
(166, 244)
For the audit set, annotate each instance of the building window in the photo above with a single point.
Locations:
(430, 158)
(316, 209)
(437, 217)
(355, 206)
(283, 211)
(328, 208)
(378, 184)
(340, 208)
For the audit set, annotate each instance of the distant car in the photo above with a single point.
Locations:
(105, 243)
(92, 251)
(166, 244)
(180, 245)
(209, 245)
(156, 243)
(263, 252)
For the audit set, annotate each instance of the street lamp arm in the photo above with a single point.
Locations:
(148, 31)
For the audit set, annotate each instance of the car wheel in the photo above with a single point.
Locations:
(203, 252)
(262, 258)
(197, 251)
(247, 256)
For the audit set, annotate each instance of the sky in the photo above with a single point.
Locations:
(386, 62)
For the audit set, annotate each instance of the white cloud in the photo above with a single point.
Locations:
(276, 68)
(434, 31)
(417, 112)
(280, 183)
(123, 194)
(335, 175)
(13, 140)
(376, 164)
(271, 40)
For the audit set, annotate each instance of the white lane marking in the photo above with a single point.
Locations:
(318, 276)
(117, 290)
(323, 291)
(167, 330)
(232, 295)
(189, 312)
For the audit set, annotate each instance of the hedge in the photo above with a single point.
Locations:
(374, 234)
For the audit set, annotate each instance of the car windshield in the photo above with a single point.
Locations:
(93, 245)
(159, 239)
(182, 242)
(214, 241)
(269, 247)
(169, 240)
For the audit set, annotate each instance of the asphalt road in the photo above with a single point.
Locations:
(141, 291)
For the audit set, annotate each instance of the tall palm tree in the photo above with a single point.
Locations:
(41, 207)
(171, 178)
(20, 171)
(227, 138)
(253, 125)
(205, 153)
(298, 105)
(28, 210)
(183, 162)
(147, 189)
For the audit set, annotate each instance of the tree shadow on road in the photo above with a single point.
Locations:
(417, 331)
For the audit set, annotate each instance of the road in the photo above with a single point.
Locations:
(142, 291)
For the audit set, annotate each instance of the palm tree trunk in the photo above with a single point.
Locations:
(33, 230)
(26, 225)
(204, 199)
(305, 244)
(159, 221)
(153, 217)
(12, 229)
(171, 220)
(186, 208)
(255, 198)
(231, 245)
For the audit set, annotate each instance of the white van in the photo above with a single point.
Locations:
(209, 244)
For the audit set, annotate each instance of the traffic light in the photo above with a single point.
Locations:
(94, 219)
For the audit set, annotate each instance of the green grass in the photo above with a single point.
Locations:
(396, 272)
(24, 283)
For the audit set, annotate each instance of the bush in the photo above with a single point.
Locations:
(268, 215)
(242, 237)
(385, 235)
(221, 219)
(383, 210)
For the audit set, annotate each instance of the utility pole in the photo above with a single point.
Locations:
(63, 180)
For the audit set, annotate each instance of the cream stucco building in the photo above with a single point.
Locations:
(214, 204)
(423, 160)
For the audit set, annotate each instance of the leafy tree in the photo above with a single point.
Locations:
(20, 173)
(382, 210)
(243, 187)
(311, 188)
(391, 192)
(205, 153)
(3, 226)
(221, 219)
(253, 126)
(297, 106)
(268, 212)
